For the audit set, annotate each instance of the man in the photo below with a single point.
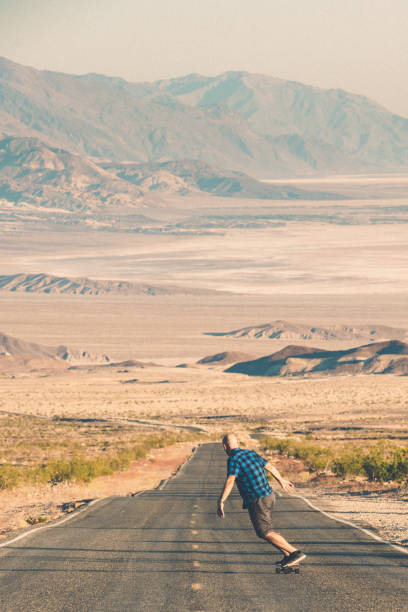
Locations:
(247, 469)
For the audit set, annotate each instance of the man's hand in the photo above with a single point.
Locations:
(287, 485)
(220, 509)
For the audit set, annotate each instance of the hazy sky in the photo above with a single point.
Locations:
(359, 45)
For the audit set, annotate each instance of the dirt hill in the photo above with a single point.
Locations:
(389, 357)
(286, 330)
(46, 283)
(35, 174)
(224, 358)
(188, 176)
(19, 354)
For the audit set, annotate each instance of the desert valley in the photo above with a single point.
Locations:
(150, 299)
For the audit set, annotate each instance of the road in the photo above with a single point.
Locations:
(167, 550)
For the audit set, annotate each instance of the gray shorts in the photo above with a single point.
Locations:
(260, 513)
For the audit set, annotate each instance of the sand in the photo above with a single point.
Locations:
(386, 513)
(318, 263)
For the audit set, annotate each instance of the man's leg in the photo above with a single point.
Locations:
(260, 512)
(292, 556)
(279, 541)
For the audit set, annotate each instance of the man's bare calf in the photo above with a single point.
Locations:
(279, 542)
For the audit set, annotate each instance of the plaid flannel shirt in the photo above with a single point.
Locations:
(248, 468)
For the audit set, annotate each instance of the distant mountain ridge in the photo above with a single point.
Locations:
(389, 357)
(254, 123)
(47, 283)
(287, 330)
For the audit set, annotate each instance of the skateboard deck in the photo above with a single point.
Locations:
(294, 569)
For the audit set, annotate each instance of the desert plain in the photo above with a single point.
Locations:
(230, 264)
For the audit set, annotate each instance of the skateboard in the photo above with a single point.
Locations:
(294, 569)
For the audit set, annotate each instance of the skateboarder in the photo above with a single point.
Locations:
(247, 468)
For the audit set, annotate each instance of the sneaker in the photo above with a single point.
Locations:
(282, 560)
(293, 559)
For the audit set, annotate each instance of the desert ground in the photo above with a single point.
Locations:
(320, 263)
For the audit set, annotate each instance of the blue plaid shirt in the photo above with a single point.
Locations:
(248, 468)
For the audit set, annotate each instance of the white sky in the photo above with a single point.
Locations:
(358, 45)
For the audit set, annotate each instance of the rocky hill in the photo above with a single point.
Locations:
(47, 283)
(253, 123)
(224, 358)
(189, 176)
(19, 354)
(389, 357)
(34, 173)
(286, 330)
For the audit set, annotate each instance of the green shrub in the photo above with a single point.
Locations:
(316, 457)
(9, 476)
(384, 462)
(34, 520)
(83, 469)
(399, 465)
(348, 463)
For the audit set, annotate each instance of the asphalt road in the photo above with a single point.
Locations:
(167, 550)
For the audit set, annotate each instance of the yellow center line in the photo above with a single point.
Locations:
(196, 586)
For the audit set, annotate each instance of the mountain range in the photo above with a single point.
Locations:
(388, 357)
(257, 124)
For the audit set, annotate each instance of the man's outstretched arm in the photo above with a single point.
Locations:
(228, 486)
(285, 484)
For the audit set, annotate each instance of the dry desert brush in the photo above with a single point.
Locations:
(382, 462)
(82, 464)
